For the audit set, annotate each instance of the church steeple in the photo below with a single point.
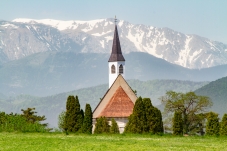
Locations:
(116, 60)
(116, 54)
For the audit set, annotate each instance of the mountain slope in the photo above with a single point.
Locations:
(22, 37)
(216, 90)
(48, 73)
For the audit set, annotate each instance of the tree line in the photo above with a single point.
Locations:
(191, 115)
(184, 114)
(28, 121)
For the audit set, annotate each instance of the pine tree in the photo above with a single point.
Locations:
(87, 123)
(177, 124)
(114, 129)
(212, 125)
(101, 126)
(137, 122)
(223, 129)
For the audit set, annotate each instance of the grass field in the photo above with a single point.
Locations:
(59, 141)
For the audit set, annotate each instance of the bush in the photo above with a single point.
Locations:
(101, 126)
(223, 129)
(15, 122)
(114, 129)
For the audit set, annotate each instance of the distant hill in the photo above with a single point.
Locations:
(49, 73)
(52, 106)
(217, 91)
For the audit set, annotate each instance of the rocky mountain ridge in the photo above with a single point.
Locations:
(23, 37)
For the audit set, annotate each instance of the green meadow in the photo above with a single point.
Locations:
(60, 141)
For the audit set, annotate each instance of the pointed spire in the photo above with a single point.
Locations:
(116, 54)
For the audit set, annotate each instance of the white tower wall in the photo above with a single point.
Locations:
(113, 76)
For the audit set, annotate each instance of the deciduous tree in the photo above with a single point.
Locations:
(189, 104)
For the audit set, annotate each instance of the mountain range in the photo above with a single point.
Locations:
(23, 37)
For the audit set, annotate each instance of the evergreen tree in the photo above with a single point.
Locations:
(30, 116)
(158, 126)
(79, 115)
(101, 126)
(223, 129)
(114, 129)
(87, 123)
(153, 118)
(74, 117)
(149, 115)
(212, 125)
(177, 124)
(137, 121)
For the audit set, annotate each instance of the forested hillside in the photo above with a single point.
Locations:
(52, 106)
(217, 91)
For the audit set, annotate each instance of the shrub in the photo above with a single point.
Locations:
(101, 126)
(114, 129)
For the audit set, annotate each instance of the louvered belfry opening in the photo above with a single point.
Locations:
(113, 70)
(121, 69)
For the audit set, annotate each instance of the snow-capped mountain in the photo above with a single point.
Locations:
(23, 37)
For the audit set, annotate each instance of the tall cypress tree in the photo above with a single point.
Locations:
(73, 117)
(79, 115)
(158, 128)
(137, 119)
(114, 129)
(87, 123)
(223, 129)
(149, 115)
(212, 125)
(153, 118)
(70, 114)
(177, 124)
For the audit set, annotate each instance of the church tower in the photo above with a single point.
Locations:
(116, 60)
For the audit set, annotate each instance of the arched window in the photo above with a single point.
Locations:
(121, 69)
(112, 69)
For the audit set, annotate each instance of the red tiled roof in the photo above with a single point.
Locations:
(120, 105)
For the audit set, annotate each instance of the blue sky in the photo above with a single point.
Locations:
(207, 18)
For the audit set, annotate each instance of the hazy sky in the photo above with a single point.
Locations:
(207, 18)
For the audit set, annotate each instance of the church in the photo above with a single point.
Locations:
(119, 100)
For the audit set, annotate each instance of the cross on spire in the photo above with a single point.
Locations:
(115, 20)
